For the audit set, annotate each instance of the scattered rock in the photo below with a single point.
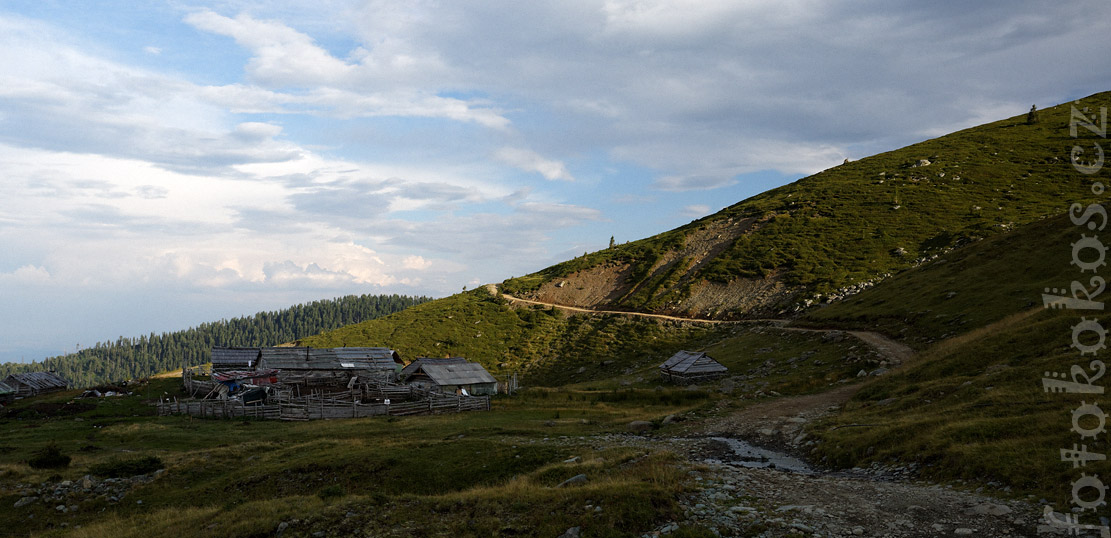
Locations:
(640, 426)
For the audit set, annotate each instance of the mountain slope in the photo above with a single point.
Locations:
(971, 406)
(847, 225)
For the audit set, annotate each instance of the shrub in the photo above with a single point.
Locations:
(116, 468)
(50, 457)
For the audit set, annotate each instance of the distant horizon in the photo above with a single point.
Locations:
(168, 165)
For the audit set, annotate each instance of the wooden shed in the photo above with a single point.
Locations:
(7, 394)
(235, 358)
(469, 377)
(32, 383)
(416, 364)
(691, 367)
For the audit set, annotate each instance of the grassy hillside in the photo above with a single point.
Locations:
(965, 289)
(971, 406)
(864, 218)
(545, 345)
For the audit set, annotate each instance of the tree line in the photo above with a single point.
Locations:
(132, 358)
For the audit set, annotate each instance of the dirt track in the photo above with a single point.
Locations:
(896, 352)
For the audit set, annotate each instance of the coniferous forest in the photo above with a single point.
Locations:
(131, 358)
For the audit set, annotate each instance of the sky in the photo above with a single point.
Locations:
(169, 163)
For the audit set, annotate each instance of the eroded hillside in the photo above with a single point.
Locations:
(845, 226)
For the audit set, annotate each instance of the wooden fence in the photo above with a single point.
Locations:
(319, 407)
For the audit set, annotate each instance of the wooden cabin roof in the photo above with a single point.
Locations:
(416, 364)
(38, 381)
(692, 362)
(235, 357)
(336, 358)
(466, 373)
(5, 389)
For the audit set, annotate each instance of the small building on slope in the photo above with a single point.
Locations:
(34, 383)
(453, 377)
(412, 367)
(691, 367)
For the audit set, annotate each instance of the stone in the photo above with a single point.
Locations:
(640, 426)
(988, 509)
(576, 480)
(281, 528)
(573, 532)
(25, 501)
(963, 532)
(574, 459)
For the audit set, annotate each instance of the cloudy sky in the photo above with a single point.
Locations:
(167, 163)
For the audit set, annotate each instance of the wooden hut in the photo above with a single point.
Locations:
(412, 367)
(453, 377)
(33, 383)
(7, 394)
(235, 358)
(691, 367)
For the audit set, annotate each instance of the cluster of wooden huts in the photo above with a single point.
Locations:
(331, 383)
(30, 384)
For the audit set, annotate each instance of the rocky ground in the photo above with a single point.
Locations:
(740, 496)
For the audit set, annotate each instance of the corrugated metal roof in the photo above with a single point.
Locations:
(467, 373)
(413, 366)
(235, 357)
(37, 380)
(690, 362)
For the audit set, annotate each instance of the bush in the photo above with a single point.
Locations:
(50, 457)
(115, 468)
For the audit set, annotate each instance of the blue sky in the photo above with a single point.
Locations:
(164, 164)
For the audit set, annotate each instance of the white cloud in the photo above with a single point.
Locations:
(416, 263)
(695, 211)
(530, 161)
(28, 274)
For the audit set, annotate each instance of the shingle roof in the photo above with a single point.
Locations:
(691, 362)
(38, 380)
(413, 366)
(235, 357)
(288, 358)
(467, 373)
(337, 358)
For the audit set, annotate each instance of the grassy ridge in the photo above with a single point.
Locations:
(876, 215)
